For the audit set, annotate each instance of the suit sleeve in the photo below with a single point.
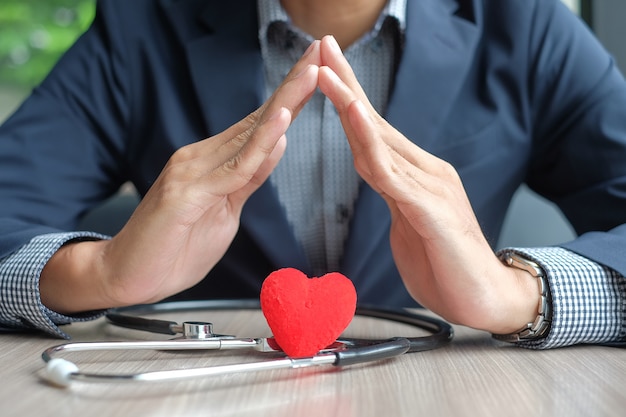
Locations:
(62, 151)
(21, 307)
(579, 116)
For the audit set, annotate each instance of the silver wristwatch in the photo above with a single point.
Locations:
(541, 325)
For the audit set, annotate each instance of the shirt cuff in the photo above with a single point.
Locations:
(588, 299)
(21, 306)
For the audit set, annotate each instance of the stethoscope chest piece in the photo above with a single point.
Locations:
(201, 330)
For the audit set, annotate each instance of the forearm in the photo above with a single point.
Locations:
(72, 280)
(19, 285)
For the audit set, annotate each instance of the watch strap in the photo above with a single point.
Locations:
(541, 325)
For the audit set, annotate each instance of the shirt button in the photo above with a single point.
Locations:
(376, 44)
(342, 213)
(290, 39)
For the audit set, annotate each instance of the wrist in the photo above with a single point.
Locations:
(71, 281)
(533, 316)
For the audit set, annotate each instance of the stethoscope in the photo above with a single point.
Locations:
(200, 336)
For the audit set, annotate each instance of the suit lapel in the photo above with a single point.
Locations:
(437, 53)
(227, 51)
(227, 71)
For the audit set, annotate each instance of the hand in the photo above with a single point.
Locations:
(438, 246)
(189, 217)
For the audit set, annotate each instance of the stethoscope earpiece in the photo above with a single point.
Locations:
(59, 372)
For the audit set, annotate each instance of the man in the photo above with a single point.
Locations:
(477, 97)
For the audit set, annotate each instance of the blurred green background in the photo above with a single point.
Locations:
(33, 35)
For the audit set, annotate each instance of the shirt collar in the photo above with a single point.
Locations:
(271, 11)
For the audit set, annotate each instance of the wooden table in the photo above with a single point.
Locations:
(473, 376)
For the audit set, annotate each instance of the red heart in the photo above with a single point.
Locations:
(307, 314)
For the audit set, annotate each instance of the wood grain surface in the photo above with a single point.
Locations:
(473, 376)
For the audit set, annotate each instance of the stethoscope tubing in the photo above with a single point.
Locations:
(441, 332)
(62, 372)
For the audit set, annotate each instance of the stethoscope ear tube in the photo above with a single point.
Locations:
(442, 332)
(143, 324)
(381, 350)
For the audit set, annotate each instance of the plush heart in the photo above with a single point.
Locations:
(307, 314)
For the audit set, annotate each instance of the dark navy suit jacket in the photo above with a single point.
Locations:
(508, 91)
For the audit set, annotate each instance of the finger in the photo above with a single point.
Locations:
(371, 154)
(403, 179)
(432, 203)
(223, 148)
(343, 97)
(251, 154)
(256, 160)
(239, 197)
(232, 158)
(243, 169)
(293, 93)
(290, 96)
(311, 57)
(332, 57)
(374, 158)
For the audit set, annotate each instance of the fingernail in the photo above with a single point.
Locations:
(333, 43)
(310, 48)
